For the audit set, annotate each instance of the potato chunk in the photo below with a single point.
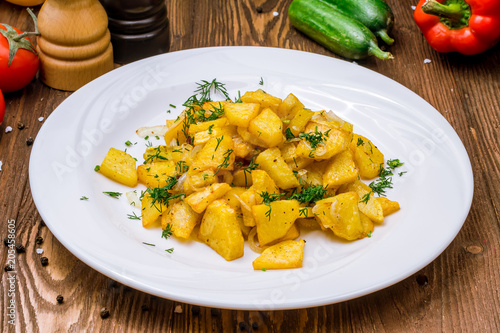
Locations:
(181, 218)
(267, 127)
(217, 154)
(240, 114)
(289, 107)
(120, 167)
(340, 170)
(341, 214)
(275, 219)
(367, 157)
(368, 204)
(200, 200)
(271, 161)
(388, 206)
(156, 174)
(151, 210)
(220, 230)
(287, 254)
(264, 99)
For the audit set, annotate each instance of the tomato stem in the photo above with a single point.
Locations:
(29, 33)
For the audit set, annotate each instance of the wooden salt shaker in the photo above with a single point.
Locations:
(139, 28)
(75, 44)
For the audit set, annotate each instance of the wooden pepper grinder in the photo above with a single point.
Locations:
(139, 28)
(75, 43)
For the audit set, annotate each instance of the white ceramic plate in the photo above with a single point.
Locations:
(435, 193)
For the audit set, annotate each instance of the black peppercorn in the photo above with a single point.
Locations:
(29, 141)
(144, 307)
(422, 280)
(214, 312)
(255, 325)
(20, 248)
(20, 126)
(59, 299)
(104, 313)
(195, 310)
(259, 9)
(44, 261)
(8, 268)
(242, 325)
(6, 241)
(39, 240)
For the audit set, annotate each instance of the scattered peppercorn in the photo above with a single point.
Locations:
(59, 299)
(29, 141)
(42, 223)
(6, 241)
(255, 325)
(20, 126)
(7, 268)
(259, 9)
(422, 280)
(195, 310)
(144, 308)
(242, 325)
(20, 248)
(44, 261)
(113, 284)
(104, 313)
(39, 240)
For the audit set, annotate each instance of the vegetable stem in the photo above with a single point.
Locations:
(455, 13)
(376, 51)
(29, 33)
(382, 34)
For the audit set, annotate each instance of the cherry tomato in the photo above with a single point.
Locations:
(2, 107)
(23, 67)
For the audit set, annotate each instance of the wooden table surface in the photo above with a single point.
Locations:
(458, 292)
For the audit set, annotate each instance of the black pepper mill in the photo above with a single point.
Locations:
(139, 28)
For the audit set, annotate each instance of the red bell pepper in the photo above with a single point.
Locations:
(465, 26)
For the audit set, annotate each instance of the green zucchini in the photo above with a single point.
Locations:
(334, 30)
(375, 14)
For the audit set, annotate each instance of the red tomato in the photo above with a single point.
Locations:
(2, 107)
(22, 69)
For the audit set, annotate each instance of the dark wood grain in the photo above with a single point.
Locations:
(457, 292)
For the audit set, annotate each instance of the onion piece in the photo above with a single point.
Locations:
(151, 131)
(252, 242)
(133, 199)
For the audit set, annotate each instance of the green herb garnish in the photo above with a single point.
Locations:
(310, 194)
(115, 195)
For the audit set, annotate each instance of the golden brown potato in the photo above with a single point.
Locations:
(156, 174)
(367, 157)
(220, 230)
(120, 167)
(261, 97)
(368, 203)
(217, 154)
(321, 142)
(181, 219)
(270, 160)
(287, 254)
(289, 107)
(200, 200)
(299, 121)
(240, 114)
(273, 220)
(268, 128)
(340, 170)
(341, 214)
(388, 206)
